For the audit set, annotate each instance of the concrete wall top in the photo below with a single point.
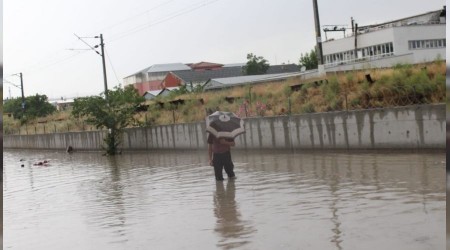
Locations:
(412, 127)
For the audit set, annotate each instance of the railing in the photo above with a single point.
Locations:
(359, 60)
(47, 128)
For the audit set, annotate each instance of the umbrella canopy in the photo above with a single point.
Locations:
(224, 124)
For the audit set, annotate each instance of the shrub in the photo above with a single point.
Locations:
(438, 60)
(335, 104)
(308, 108)
(350, 78)
(331, 92)
(287, 91)
(402, 66)
(355, 102)
(365, 86)
(420, 83)
(439, 80)
(10, 125)
(397, 81)
(153, 113)
(214, 102)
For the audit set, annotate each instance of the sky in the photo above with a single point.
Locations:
(41, 37)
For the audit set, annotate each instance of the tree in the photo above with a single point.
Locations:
(256, 65)
(14, 106)
(114, 114)
(36, 106)
(309, 60)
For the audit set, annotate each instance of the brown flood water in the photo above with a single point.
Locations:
(170, 200)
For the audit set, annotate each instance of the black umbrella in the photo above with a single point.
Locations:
(224, 125)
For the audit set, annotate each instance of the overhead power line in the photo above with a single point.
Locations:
(186, 10)
(145, 12)
(112, 67)
(13, 84)
(64, 59)
(46, 63)
(57, 61)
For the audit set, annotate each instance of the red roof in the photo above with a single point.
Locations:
(205, 65)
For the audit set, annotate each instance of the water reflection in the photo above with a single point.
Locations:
(107, 197)
(371, 189)
(229, 225)
(334, 188)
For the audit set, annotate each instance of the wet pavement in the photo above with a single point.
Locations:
(170, 200)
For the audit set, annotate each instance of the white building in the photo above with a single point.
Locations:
(62, 104)
(412, 40)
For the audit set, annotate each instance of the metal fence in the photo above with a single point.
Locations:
(47, 128)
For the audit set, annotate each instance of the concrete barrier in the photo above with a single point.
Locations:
(412, 127)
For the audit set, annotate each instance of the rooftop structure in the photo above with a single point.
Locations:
(160, 76)
(154, 93)
(193, 78)
(220, 83)
(158, 68)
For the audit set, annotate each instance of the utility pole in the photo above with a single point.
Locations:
(104, 66)
(318, 37)
(21, 89)
(23, 95)
(102, 44)
(356, 40)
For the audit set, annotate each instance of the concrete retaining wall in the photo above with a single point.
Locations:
(411, 127)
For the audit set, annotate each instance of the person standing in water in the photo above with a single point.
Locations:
(220, 156)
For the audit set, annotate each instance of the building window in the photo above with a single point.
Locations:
(372, 52)
(426, 44)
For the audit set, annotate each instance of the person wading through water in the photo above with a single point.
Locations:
(220, 156)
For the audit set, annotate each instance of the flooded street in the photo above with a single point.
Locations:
(170, 200)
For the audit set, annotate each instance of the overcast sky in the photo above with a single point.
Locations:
(39, 35)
